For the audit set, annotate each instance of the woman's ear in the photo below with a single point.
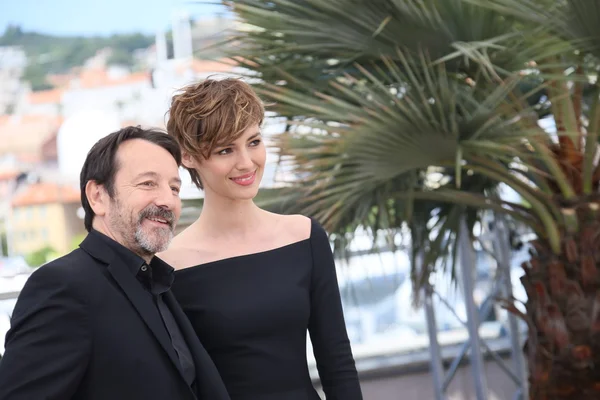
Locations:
(187, 160)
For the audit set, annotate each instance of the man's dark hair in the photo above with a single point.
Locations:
(101, 162)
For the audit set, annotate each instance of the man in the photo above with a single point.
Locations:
(101, 322)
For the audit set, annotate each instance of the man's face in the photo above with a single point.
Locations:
(145, 205)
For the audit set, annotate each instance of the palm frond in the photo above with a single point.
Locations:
(413, 112)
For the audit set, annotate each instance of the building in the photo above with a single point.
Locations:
(23, 135)
(12, 65)
(44, 102)
(44, 214)
(8, 182)
(10, 179)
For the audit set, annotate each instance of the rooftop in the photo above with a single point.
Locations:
(46, 193)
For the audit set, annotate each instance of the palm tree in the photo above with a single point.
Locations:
(418, 112)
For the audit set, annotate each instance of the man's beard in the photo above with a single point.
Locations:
(141, 240)
(159, 238)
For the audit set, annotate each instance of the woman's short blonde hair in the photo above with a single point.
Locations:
(211, 114)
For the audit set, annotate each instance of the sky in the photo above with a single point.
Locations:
(98, 17)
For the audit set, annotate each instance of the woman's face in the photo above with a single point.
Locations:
(234, 171)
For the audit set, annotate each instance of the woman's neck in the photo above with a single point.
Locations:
(229, 218)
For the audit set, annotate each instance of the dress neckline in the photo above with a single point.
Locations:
(248, 255)
(242, 256)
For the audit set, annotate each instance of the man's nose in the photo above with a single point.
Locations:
(167, 198)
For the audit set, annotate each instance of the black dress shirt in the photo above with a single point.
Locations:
(157, 278)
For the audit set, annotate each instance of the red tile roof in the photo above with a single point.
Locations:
(9, 174)
(46, 97)
(25, 134)
(46, 193)
(99, 77)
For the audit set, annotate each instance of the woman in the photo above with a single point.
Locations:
(252, 282)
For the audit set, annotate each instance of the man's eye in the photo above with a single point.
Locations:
(149, 183)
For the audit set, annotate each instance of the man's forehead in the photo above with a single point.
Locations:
(134, 161)
(139, 173)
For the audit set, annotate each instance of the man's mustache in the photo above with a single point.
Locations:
(157, 212)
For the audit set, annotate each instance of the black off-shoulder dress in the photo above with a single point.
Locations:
(252, 313)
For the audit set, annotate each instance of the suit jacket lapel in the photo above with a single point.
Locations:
(144, 306)
(141, 300)
(208, 381)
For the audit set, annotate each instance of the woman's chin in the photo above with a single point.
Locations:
(248, 196)
(245, 192)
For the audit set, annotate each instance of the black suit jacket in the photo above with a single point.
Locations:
(83, 328)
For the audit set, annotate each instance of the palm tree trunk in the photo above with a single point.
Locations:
(564, 307)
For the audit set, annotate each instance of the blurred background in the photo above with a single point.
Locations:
(72, 71)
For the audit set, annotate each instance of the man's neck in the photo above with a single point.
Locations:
(106, 231)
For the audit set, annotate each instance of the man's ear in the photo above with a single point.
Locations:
(97, 197)
(187, 160)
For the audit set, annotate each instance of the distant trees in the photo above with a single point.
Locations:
(35, 74)
(57, 54)
(3, 244)
(40, 256)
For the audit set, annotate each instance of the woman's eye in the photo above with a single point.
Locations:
(224, 151)
(255, 142)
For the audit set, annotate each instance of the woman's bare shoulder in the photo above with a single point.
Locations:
(295, 227)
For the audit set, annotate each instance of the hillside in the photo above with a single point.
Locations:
(56, 54)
